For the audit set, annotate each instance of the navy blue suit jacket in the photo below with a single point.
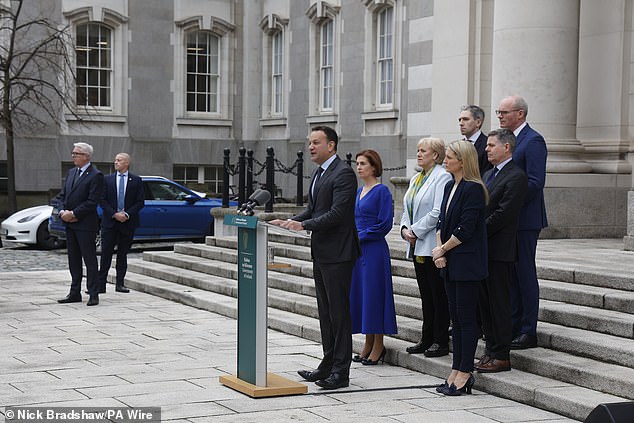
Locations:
(82, 198)
(507, 192)
(465, 218)
(480, 146)
(530, 155)
(134, 202)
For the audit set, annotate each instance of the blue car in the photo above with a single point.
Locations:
(171, 211)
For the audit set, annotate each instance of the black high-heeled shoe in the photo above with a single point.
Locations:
(440, 388)
(381, 358)
(358, 358)
(454, 391)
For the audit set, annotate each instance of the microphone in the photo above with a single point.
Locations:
(258, 198)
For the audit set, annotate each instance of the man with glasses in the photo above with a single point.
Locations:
(530, 155)
(78, 210)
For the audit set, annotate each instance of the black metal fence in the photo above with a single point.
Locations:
(246, 171)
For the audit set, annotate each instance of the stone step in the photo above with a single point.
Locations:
(588, 318)
(599, 346)
(294, 296)
(297, 296)
(298, 279)
(560, 397)
(586, 295)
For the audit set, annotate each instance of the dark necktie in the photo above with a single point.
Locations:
(121, 194)
(492, 176)
(320, 170)
(76, 176)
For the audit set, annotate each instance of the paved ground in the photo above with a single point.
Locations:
(136, 350)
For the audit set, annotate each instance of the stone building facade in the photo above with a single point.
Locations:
(175, 82)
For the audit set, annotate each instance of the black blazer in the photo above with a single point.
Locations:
(507, 193)
(82, 198)
(134, 202)
(465, 219)
(330, 215)
(483, 161)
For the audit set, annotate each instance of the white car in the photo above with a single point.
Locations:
(30, 226)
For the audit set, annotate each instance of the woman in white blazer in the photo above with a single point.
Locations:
(421, 208)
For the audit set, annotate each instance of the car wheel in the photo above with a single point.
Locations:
(45, 240)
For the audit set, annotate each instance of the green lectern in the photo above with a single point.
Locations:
(252, 378)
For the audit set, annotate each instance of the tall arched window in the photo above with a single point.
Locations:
(277, 73)
(384, 55)
(203, 72)
(93, 51)
(326, 64)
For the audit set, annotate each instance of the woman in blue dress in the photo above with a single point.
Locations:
(371, 296)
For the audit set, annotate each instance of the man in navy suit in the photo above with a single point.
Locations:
(470, 122)
(123, 198)
(530, 155)
(507, 185)
(335, 248)
(78, 210)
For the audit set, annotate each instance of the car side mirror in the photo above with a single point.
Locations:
(191, 199)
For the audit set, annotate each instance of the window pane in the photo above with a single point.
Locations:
(93, 77)
(191, 102)
(191, 82)
(82, 57)
(104, 97)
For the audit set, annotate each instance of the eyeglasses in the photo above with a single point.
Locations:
(74, 154)
(506, 112)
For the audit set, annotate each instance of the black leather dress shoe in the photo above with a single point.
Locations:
(436, 350)
(121, 288)
(418, 348)
(313, 375)
(94, 300)
(523, 342)
(334, 381)
(70, 299)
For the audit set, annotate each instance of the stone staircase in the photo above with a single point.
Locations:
(585, 335)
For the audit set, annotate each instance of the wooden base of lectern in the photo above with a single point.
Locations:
(276, 386)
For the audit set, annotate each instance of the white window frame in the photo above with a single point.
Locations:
(385, 58)
(326, 65)
(225, 33)
(97, 70)
(118, 24)
(275, 70)
(211, 77)
(277, 73)
(324, 93)
(374, 107)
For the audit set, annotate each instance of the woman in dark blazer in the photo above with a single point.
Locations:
(461, 254)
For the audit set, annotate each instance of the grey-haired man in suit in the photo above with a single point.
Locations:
(78, 210)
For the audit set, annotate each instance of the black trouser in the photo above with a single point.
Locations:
(495, 309)
(81, 245)
(463, 302)
(435, 306)
(123, 241)
(332, 285)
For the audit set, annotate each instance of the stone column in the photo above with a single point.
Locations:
(535, 55)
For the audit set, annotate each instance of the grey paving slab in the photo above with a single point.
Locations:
(140, 350)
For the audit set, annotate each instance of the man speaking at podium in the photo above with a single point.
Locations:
(334, 249)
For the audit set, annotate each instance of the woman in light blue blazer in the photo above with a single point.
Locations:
(421, 208)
